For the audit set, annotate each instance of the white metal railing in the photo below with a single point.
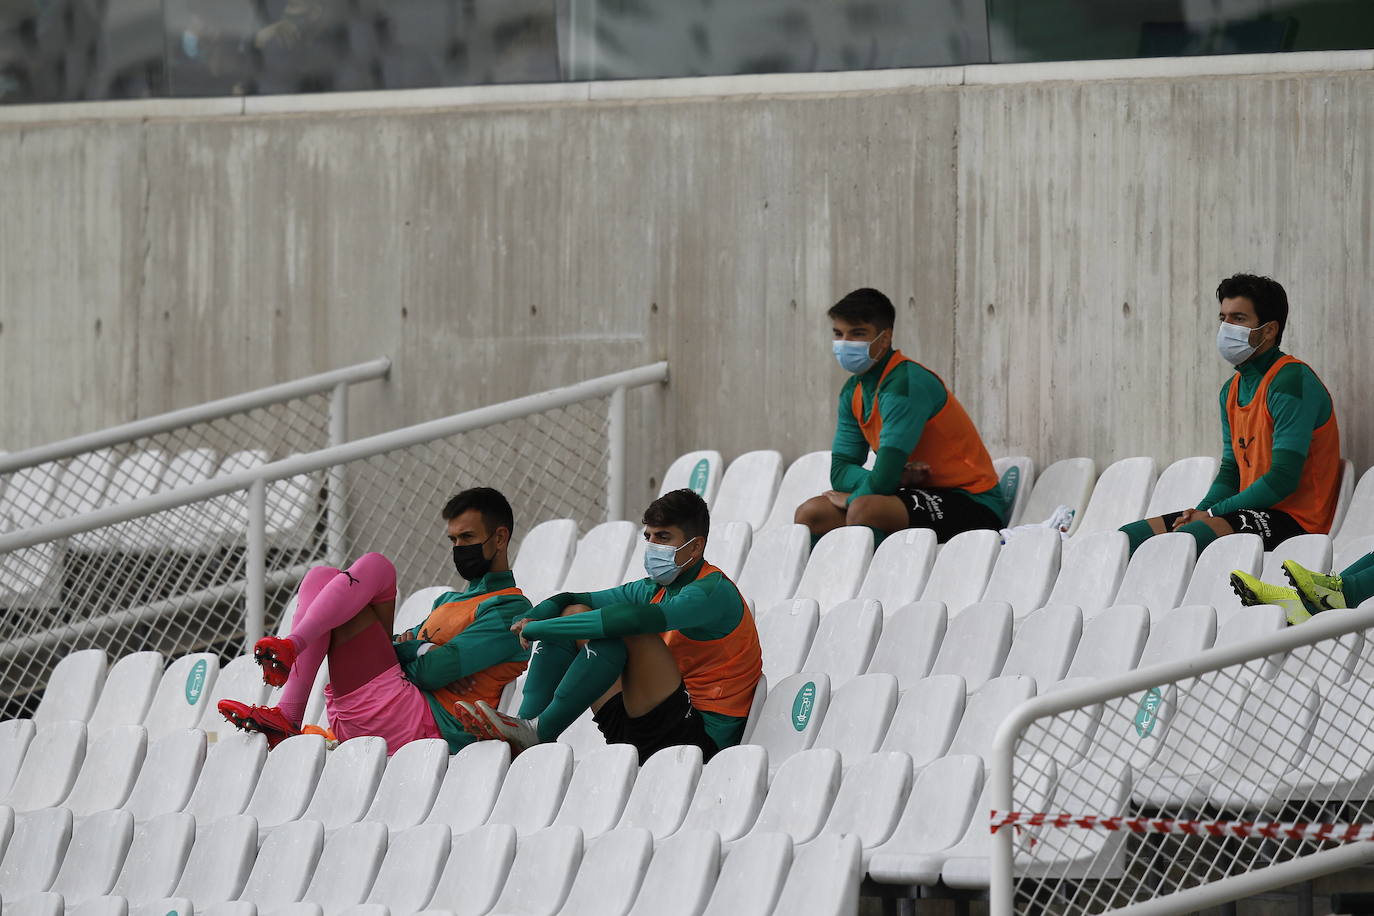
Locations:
(212, 564)
(73, 476)
(1270, 730)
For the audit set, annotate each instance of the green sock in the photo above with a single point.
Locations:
(1357, 581)
(1137, 533)
(548, 664)
(815, 538)
(1202, 533)
(590, 675)
(879, 535)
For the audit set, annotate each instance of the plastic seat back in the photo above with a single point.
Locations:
(348, 865)
(1181, 485)
(534, 788)
(845, 640)
(747, 489)
(156, 857)
(775, 564)
(183, 694)
(786, 632)
(288, 780)
(961, 571)
(1044, 644)
(752, 876)
(1067, 482)
(926, 718)
(808, 476)
(72, 688)
(475, 873)
(410, 872)
(1359, 516)
(1015, 475)
(801, 793)
(836, 567)
(543, 871)
(730, 792)
(598, 790)
(698, 471)
(410, 784)
(471, 784)
(791, 716)
(109, 771)
(171, 768)
(938, 811)
(1313, 551)
(609, 876)
(1211, 582)
(545, 554)
(128, 690)
(1112, 642)
(1026, 568)
(728, 547)
(976, 643)
(84, 484)
(899, 568)
(910, 641)
(50, 767)
(285, 864)
(601, 557)
(858, 716)
(1119, 496)
(1345, 494)
(35, 852)
(871, 796)
(240, 680)
(1091, 571)
(95, 856)
(228, 778)
(15, 736)
(984, 711)
(663, 791)
(1180, 633)
(681, 875)
(1158, 572)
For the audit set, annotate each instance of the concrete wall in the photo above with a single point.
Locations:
(1052, 248)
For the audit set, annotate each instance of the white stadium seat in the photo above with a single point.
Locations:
(1359, 517)
(858, 716)
(35, 852)
(872, 794)
(663, 790)
(730, 792)
(1158, 572)
(471, 785)
(752, 876)
(970, 854)
(976, 643)
(128, 690)
(927, 716)
(533, 788)
(347, 867)
(352, 773)
(15, 735)
(1313, 551)
(598, 790)
(50, 767)
(698, 471)
(1112, 642)
(284, 866)
(984, 711)
(1068, 482)
(1044, 644)
(228, 778)
(413, 611)
(747, 489)
(1181, 485)
(775, 564)
(182, 695)
(546, 552)
(218, 866)
(800, 795)
(1091, 571)
(156, 857)
(240, 680)
(84, 484)
(408, 875)
(1182, 632)
(1016, 475)
(899, 568)
(938, 811)
(93, 858)
(786, 632)
(583, 736)
(836, 567)
(168, 776)
(680, 876)
(109, 771)
(288, 780)
(1211, 582)
(409, 785)
(1119, 496)
(475, 873)
(73, 687)
(27, 497)
(601, 557)
(542, 873)
(845, 640)
(728, 547)
(961, 570)
(791, 716)
(1026, 569)
(824, 878)
(808, 476)
(609, 876)
(910, 641)
(1345, 493)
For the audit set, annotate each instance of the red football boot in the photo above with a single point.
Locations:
(473, 722)
(276, 656)
(266, 719)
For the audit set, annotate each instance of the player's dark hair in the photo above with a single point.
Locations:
(1270, 301)
(682, 509)
(490, 504)
(865, 306)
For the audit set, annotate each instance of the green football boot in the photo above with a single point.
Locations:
(1252, 592)
(1318, 592)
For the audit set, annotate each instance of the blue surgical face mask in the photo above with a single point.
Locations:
(660, 562)
(1233, 343)
(853, 355)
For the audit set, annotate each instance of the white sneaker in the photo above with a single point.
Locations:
(519, 733)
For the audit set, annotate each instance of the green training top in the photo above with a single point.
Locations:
(909, 398)
(485, 642)
(1298, 403)
(702, 609)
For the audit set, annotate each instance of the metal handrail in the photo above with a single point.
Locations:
(1319, 629)
(201, 413)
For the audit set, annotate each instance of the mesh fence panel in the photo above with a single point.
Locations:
(1285, 739)
(176, 580)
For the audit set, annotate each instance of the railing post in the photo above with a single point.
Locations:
(255, 597)
(1000, 884)
(336, 509)
(615, 456)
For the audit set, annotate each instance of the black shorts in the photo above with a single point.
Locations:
(1272, 525)
(674, 721)
(948, 512)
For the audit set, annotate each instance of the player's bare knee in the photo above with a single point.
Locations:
(574, 609)
(813, 512)
(864, 510)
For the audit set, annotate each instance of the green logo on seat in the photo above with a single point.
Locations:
(195, 682)
(1148, 713)
(802, 706)
(1011, 482)
(699, 475)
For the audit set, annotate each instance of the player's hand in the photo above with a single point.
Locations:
(464, 685)
(1189, 515)
(837, 499)
(407, 636)
(518, 628)
(916, 474)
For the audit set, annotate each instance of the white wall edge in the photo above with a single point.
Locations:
(705, 87)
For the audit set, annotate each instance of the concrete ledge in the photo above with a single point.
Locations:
(705, 87)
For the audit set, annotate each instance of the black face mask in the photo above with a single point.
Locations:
(470, 562)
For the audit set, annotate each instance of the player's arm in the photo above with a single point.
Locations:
(694, 607)
(907, 402)
(1227, 482)
(552, 607)
(487, 641)
(849, 449)
(1294, 405)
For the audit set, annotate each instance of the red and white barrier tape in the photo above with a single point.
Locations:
(1274, 830)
